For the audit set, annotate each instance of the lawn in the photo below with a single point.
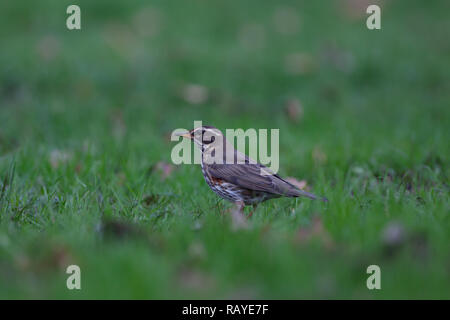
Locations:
(85, 170)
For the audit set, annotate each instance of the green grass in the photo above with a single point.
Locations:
(84, 117)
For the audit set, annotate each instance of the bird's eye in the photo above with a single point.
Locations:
(209, 141)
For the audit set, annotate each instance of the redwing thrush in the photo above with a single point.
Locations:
(235, 176)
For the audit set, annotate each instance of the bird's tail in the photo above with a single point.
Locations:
(295, 192)
(300, 193)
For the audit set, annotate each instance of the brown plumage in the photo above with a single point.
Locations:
(240, 179)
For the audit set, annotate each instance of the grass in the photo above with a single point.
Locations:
(84, 123)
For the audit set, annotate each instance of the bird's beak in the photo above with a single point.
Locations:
(184, 134)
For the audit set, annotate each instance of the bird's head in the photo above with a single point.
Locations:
(203, 136)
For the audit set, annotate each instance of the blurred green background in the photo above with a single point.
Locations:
(85, 170)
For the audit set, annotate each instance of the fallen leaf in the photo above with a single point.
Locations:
(252, 36)
(356, 9)
(195, 280)
(319, 156)
(299, 63)
(197, 225)
(150, 199)
(148, 22)
(286, 20)
(119, 229)
(48, 47)
(61, 257)
(393, 238)
(393, 234)
(315, 231)
(195, 93)
(78, 167)
(294, 110)
(299, 184)
(419, 245)
(238, 220)
(197, 251)
(338, 58)
(164, 169)
(121, 178)
(22, 261)
(59, 157)
(243, 293)
(119, 127)
(120, 37)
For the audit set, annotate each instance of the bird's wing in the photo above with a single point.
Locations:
(250, 176)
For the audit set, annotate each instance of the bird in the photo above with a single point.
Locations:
(237, 177)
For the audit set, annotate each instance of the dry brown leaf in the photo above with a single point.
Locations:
(121, 178)
(78, 167)
(294, 110)
(59, 157)
(244, 293)
(319, 156)
(252, 36)
(299, 63)
(22, 261)
(356, 9)
(301, 184)
(238, 220)
(393, 234)
(286, 20)
(197, 251)
(150, 199)
(48, 47)
(61, 257)
(148, 21)
(195, 280)
(114, 228)
(164, 169)
(338, 58)
(315, 231)
(195, 93)
(119, 127)
(120, 37)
